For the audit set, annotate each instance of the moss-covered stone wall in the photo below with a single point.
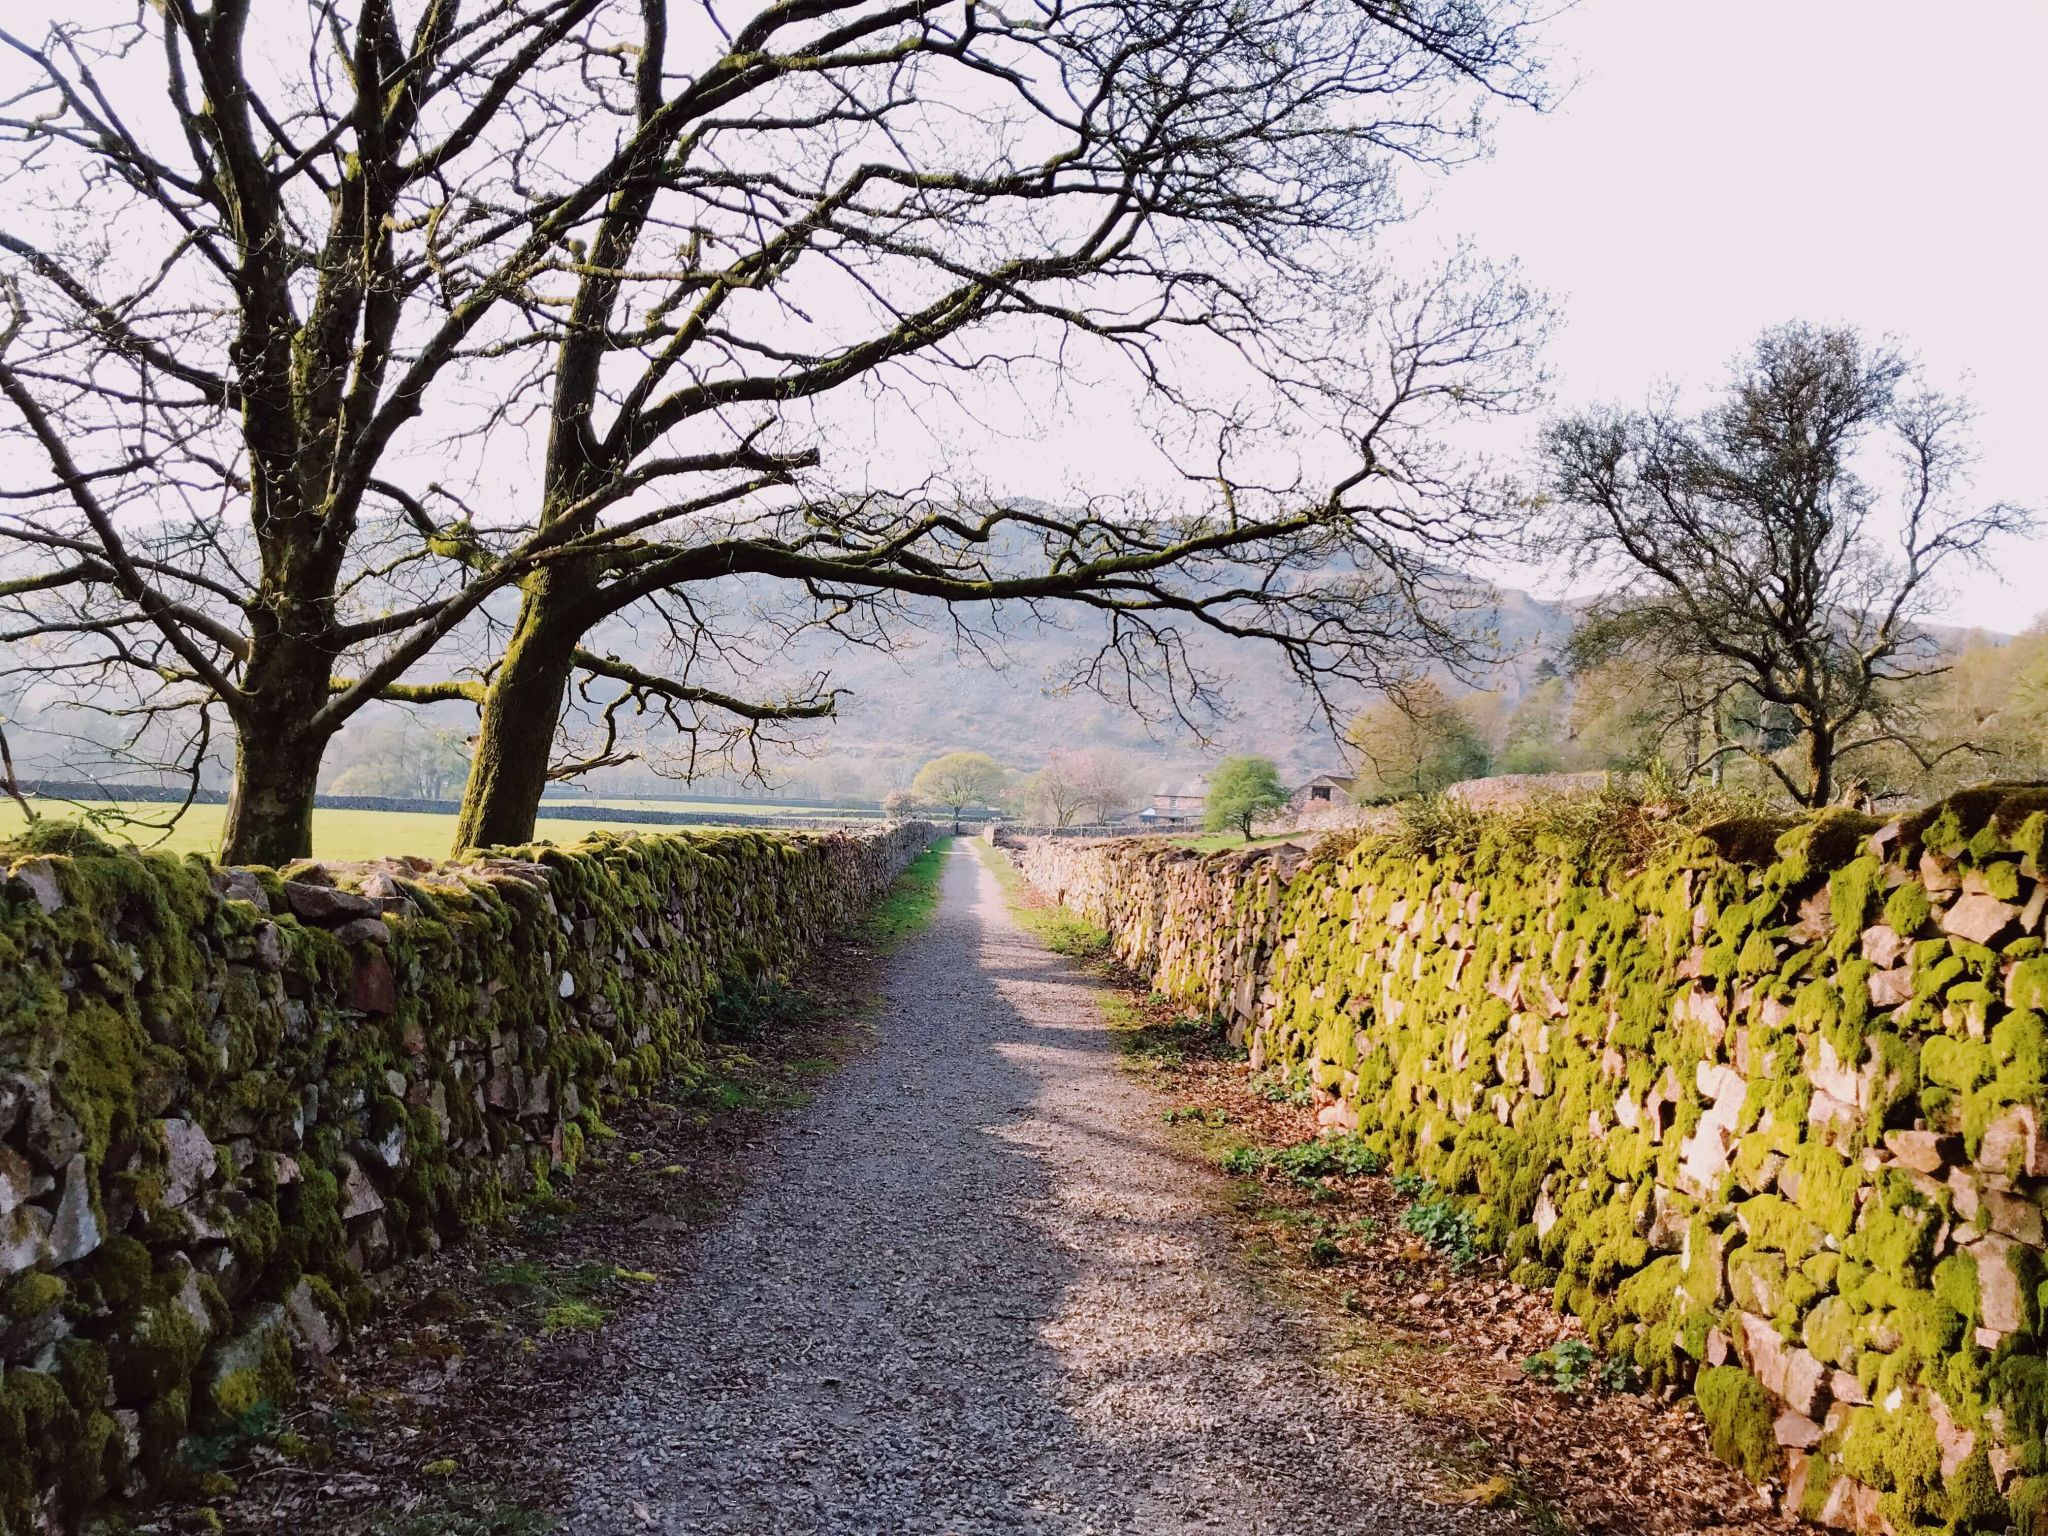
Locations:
(1766, 1113)
(227, 1096)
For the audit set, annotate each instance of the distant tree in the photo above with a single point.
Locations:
(958, 780)
(404, 758)
(1414, 744)
(1240, 791)
(1110, 784)
(1750, 535)
(898, 804)
(1535, 738)
(1059, 790)
(1992, 702)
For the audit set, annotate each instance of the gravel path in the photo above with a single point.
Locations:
(972, 1289)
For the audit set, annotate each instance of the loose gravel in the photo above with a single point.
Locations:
(973, 1289)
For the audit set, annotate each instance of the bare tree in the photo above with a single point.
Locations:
(240, 256)
(269, 275)
(964, 191)
(1765, 535)
(1110, 784)
(1060, 789)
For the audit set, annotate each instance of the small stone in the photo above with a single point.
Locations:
(1937, 874)
(1796, 1431)
(24, 1239)
(1979, 918)
(380, 887)
(1954, 1440)
(318, 1333)
(2001, 1305)
(189, 1160)
(1839, 1079)
(242, 885)
(372, 989)
(1844, 1387)
(1883, 945)
(270, 947)
(1922, 1151)
(54, 1138)
(2012, 1144)
(2016, 1216)
(1890, 988)
(364, 930)
(76, 1230)
(38, 878)
(324, 905)
(1792, 1375)
(566, 987)
(1853, 1506)
(359, 1195)
(17, 1180)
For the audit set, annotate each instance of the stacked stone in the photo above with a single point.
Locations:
(227, 1096)
(1765, 1113)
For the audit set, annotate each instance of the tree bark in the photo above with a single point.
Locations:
(270, 808)
(516, 735)
(277, 748)
(1820, 766)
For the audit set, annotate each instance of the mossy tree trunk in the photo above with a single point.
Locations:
(280, 735)
(516, 733)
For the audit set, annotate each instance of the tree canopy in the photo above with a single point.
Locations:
(1785, 545)
(1241, 790)
(369, 249)
(1414, 743)
(958, 780)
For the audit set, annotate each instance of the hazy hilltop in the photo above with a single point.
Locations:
(1012, 697)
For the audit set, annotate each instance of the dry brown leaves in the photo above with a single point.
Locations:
(1446, 1345)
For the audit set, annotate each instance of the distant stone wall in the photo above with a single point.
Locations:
(228, 1095)
(1766, 1113)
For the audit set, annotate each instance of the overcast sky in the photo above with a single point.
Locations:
(1723, 165)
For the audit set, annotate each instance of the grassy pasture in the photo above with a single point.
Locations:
(337, 834)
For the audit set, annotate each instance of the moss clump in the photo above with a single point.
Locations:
(1907, 910)
(1739, 1419)
(1898, 1452)
(30, 1296)
(1972, 1500)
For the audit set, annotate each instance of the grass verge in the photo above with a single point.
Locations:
(911, 900)
(1062, 932)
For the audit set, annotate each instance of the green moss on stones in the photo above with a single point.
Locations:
(1739, 1420)
(247, 1088)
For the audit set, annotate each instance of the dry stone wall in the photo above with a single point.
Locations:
(228, 1096)
(1766, 1113)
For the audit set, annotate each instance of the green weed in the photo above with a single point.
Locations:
(1306, 1163)
(1569, 1367)
(465, 1512)
(1446, 1226)
(911, 900)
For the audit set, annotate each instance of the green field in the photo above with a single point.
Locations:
(338, 835)
(1221, 842)
(717, 808)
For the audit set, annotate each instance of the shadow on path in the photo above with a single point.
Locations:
(972, 1289)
